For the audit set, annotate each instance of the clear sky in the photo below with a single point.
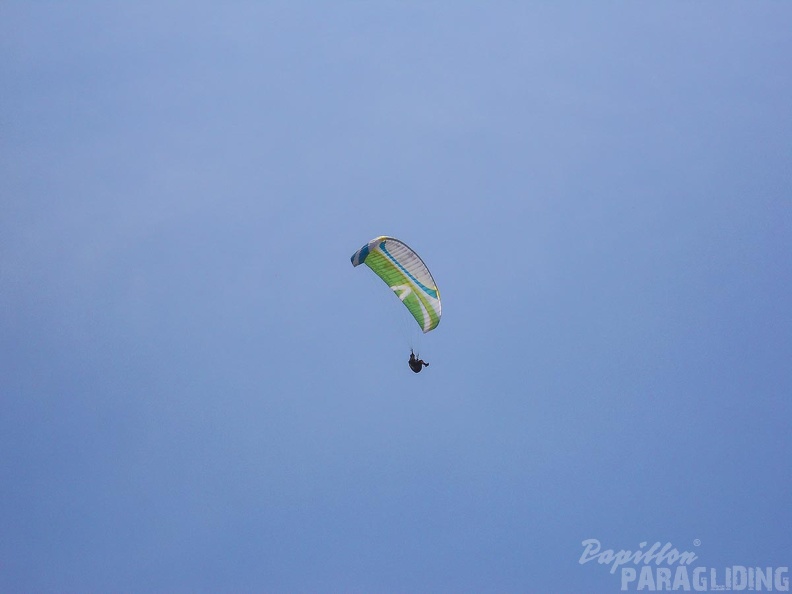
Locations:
(199, 393)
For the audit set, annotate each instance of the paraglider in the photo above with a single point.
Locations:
(415, 363)
(408, 277)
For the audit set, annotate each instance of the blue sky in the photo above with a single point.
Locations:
(200, 394)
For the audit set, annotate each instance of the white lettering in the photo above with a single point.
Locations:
(699, 582)
(646, 579)
(650, 555)
(739, 577)
(590, 552)
(664, 578)
(736, 578)
(628, 577)
(687, 557)
(606, 557)
(764, 578)
(714, 580)
(657, 553)
(620, 558)
(661, 555)
(681, 580)
(781, 583)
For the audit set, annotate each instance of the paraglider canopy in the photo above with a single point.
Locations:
(406, 274)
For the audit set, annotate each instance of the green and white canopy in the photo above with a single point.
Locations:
(406, 274)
